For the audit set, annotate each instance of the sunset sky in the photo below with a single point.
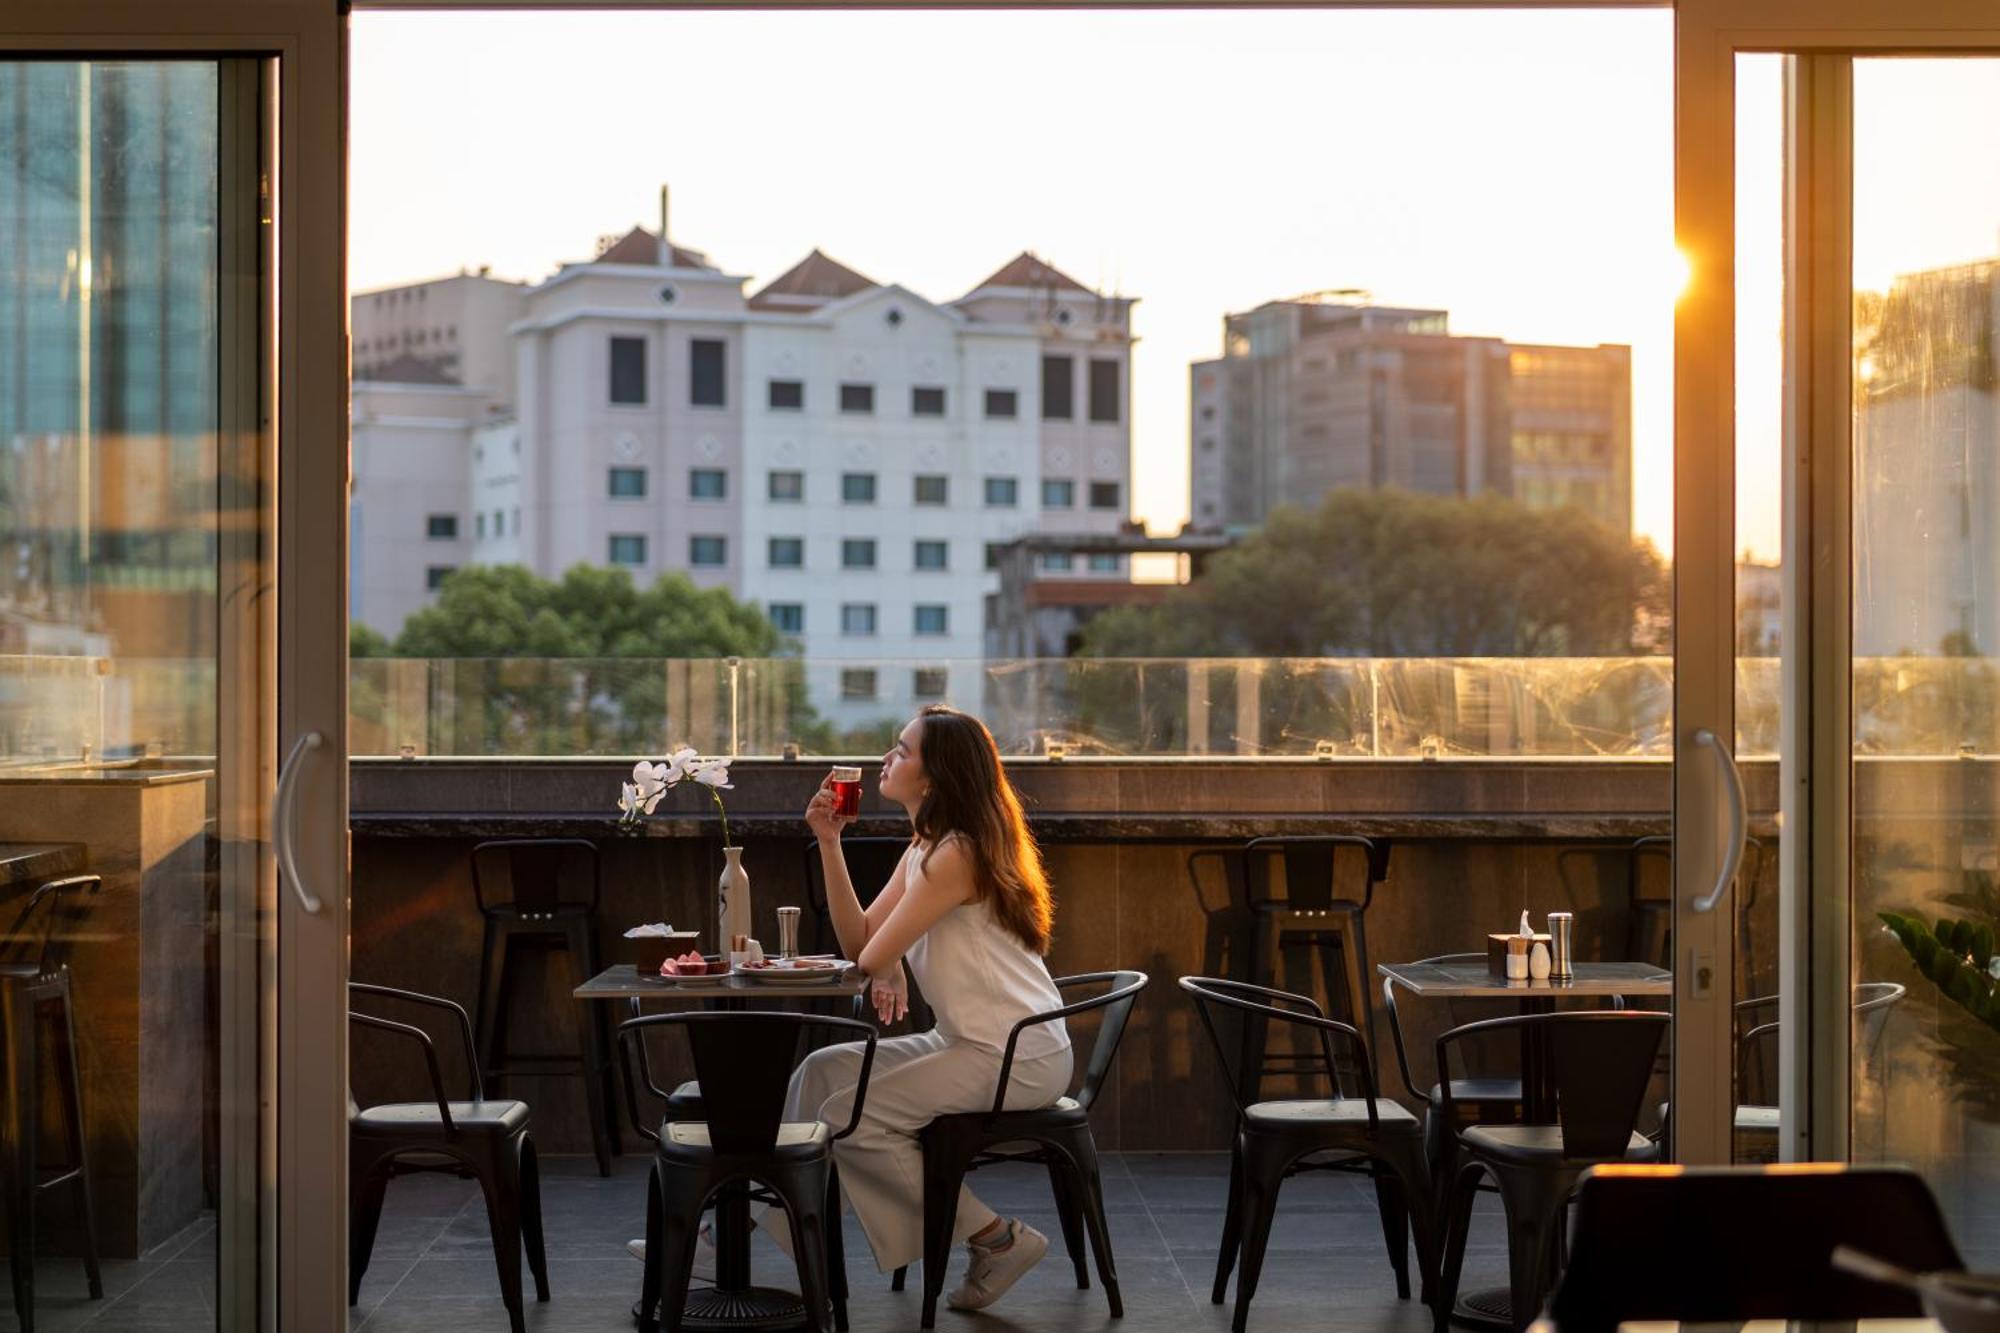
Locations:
(1513, 168)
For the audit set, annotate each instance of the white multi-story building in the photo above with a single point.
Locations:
(845, 452)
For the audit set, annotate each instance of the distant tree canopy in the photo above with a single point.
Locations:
(507, 611)
(1397, 574)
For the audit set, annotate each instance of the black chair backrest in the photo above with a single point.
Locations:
(1757, 1037)
(1309, 866)
(475, 1087)
(1208, 865)
(1729, 1244)
(870, 863)
(1600, 1062)
(1493, 1057)
(41, 929)
(533, 876)
(1121, 993)
(1217, 999)
(744, 1061)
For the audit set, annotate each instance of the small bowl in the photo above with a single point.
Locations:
(713, 969)
(1961, 1307)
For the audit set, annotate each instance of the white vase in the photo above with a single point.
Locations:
(733, 900)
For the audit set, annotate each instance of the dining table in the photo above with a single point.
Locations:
(1606, 982)
(734, 1301)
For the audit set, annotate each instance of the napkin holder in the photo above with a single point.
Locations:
(647, 952)
(1496, 951)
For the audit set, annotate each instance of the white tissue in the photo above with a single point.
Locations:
(1527, 931)
(649, 930)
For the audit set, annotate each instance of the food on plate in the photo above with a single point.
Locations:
(691, 964)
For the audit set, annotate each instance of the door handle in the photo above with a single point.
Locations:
(282, 831)
(1739, 820)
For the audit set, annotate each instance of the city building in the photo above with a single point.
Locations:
(1323, 392)
(1053, 584)
(845, 452)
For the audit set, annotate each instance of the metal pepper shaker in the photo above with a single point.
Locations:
(788, 932)
(1562, 956)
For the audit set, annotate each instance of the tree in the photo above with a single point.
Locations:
(365, 641)
(1397, 574)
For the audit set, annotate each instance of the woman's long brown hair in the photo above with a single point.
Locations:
(970, 795)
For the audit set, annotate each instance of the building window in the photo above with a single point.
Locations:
(993, 555)
(708, 552)
(785, 395)
(857, 682)
(441, 527)
(788, 617)
(1104, 494)
(1058, 388)
(857, 398)
(500, 522)
(1058, 494)
(786, 552)
(708, 483)
(858, 618)
(929, 682)
(628, 371)
(479, 526)
(933, 555)
(1002, 492)
(435, 576)
(786, 487)
(933, 619)
(926, 402)
(1003, 404)
(1104, 395)
(1103, 562)
(932, 489)
(628, 548)
(857, 488)
(857, 553)
(628, 483)
(1057, 562)
(707, 370)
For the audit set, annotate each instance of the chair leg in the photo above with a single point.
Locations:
(24, 1129)
(804, 1193)
(1404, 1160)
(1089, 1186)
(1071, 1216)
(368, 1182)
(1458, 1221)
(1389, 1201)
(495, 945)
(678, 1232)
(945, 1158)
(1232, 1224)
(1533, 1200)
(836, 1249)
(649, 1284)
(898, 1278)
(581, 956)
(530, 1175)
(499, 1179)
(1263, 1173)
(1358, 974)
(66, 1065)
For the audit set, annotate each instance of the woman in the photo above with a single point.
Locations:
(969, 907)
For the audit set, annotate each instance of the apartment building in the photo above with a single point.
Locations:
(1319, 393)
(844, 451)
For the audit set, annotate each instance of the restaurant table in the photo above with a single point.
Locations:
(1493, 1308)
(732, 1303)
(1765, 1326)
(38, 862)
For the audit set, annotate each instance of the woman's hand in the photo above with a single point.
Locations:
(890, 995)
(820, 813)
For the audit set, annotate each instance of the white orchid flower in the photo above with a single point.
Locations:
(680, 764)
(713, 773)
(647, 779)
(653, 801)
(628, 800)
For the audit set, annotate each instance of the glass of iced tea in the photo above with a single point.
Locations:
(847, 791)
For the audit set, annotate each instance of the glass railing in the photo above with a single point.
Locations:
(62, 709)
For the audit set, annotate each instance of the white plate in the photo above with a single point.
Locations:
(797, 976)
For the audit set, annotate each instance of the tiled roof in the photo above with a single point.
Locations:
(814, 280)
(1029, 270)
(639, 246)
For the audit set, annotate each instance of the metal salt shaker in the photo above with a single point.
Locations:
(1561, 955)
(788, 932)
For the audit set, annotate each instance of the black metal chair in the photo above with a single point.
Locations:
(1756, 1119)
(1060, 1137)
(1225, 908)
(35, 1004)
(487, 1140)
(1491, 1094)
(1721, 1245)
(1311, 920)
(542, 893)
(744, 1061)
(1598, 1063)
(1278, 1139)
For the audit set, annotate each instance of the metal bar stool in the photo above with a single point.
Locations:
(543, 893)
(1310, 917)
(35, 1004)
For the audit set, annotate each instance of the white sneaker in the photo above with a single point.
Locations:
(993, 1269)
(704, 1255)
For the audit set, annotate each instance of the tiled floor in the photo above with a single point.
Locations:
(433, 1263)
